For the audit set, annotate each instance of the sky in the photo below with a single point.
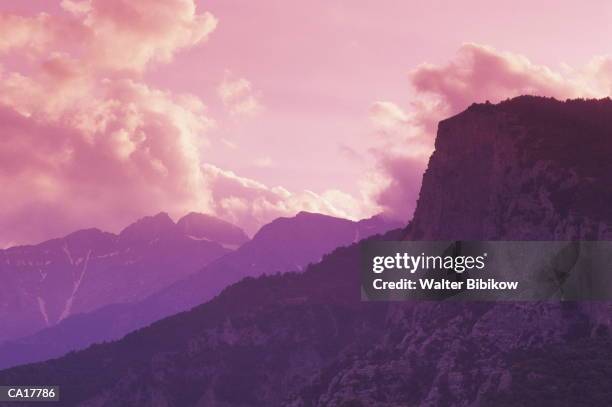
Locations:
(111, 110)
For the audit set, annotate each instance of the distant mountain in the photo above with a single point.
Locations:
(44, 284)
(201, 226)
(506, 171)
(285, 244)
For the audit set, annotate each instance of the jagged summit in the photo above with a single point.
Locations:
(149, 227)
(197, 226)
(202, 226)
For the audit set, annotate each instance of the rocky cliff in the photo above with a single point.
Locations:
(528, 168)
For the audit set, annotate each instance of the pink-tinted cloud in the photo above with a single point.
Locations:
(34, 35)
(402, 182)
(250, 203)
(86, 141)
(126, 34)
(388, 116)
(476, 74)
(101, 161)
(82, 149)
(97, 128)
(238, 96)
(109, 34)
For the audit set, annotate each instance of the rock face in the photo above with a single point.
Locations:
(526, 169)
(44, 284)
(509, 171)
(286, 244)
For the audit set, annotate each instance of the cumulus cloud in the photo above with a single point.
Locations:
(130, 150)
(33, 34)
(477, 73)
(250, 204)
(238, 97)
(87, 142)
(84, 140)
(124, 34)
(113, 35)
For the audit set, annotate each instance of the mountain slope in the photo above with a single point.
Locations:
(46, 283)
(283, 245)
(307, 339)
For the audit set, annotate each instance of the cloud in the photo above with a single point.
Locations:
(128, 35)
(477, 73)
(250, 204)
(102, 161)
(111, 35)
(387, 115)
(238, 97)
(402, 184)
(87, 142)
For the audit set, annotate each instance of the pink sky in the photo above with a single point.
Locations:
(115, 109)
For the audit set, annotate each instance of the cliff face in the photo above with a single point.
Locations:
(526, 169)
(529, 168)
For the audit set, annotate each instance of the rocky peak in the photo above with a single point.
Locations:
(149, 228)
(202, 226)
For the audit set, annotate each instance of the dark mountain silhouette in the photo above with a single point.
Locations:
(306, 339)
(286, 244)
(530, 168)
(46, 283)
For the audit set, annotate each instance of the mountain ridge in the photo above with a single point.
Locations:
(285, 244)
(45, 283)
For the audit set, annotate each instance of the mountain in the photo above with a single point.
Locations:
(285, 244)
(528, 168)
(46, 283)
(307, 339)
(206, 227)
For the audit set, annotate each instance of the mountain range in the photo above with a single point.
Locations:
(527, 168)
(286, 244)
(46, 283)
